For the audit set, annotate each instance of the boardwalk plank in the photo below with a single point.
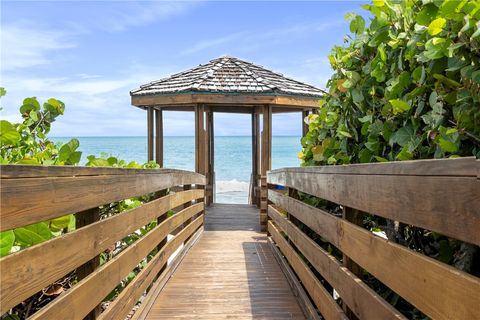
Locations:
(230, 273)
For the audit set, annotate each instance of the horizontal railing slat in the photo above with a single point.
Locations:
(123, 304)
(78, 301)
(435, 288)
(466, 167)
(320, 296)
(30, 200)
(28, 271)
(360, 298)
(29, 171)
(444, 204)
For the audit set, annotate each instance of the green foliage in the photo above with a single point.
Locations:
(27, 143)
(7, 238)
(407, 86)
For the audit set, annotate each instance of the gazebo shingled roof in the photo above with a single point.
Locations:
(234, 84)
(225, 84)
(228, 75)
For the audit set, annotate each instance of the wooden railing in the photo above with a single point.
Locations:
(30, 194)
(438, 195)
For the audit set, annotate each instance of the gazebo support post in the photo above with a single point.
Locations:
(200, 142)
(210, 174)
(266, 163)
(305, 114)
(255, 197)
(150, 133)
(159, 136)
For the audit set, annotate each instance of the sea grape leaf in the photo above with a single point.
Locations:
(8, 133)
(29, 104)
(399, 106)
(7, 238)
(32, 234)
(436, 26)
(402, 136)
(54, 107)
(60, 223)
(428, 12)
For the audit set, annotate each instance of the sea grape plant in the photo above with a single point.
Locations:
(27, 143)
(405, 86)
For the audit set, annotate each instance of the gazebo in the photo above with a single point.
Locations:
(229, 85)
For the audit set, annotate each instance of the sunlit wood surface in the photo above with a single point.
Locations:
(230, 273)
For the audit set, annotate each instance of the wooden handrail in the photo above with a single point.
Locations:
(441, 195)
(32, 194)
(389, 190)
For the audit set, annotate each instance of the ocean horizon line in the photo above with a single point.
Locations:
(169, 136)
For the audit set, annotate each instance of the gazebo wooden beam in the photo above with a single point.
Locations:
(225, 99)
(245, 109)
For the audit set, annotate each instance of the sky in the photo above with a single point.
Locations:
(90, 54)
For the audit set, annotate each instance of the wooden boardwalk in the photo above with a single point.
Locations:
(230, 273)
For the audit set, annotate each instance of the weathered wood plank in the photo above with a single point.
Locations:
(321, 297)
(159, 136)
(162, 280)
(307, 306)
(230, 273)
(28, 271)
(448, 205)
(122, 305)
(224, 99)
(8, 171)
(78, 301)
(435, 288)
(27, 201)
(150, 135)
(83, 219)
(467, 167)
(362, 300)
(304, 114)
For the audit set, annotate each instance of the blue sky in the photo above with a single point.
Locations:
(91, 54)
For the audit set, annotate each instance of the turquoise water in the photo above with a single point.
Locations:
(233, 157)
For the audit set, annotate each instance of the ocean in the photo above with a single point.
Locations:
(233, 157)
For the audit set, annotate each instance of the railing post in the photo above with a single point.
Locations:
(356, 217)
(263, 203)
(82, 219)
(161, 218)
(186, 205)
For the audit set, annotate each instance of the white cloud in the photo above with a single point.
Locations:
(115, 16)
(95, 104)
(253, 39)
(25, 46)
(207, 44)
